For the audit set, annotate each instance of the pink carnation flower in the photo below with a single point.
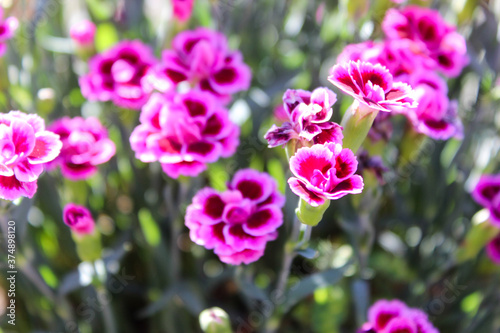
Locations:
(493, 250)
(324, 172)
(7, 29)
(394, 317)
(79, 219)
(117, 75)
(183, 9)
(487, 194)
(25, 146)
(308, 115)
(85, 145)
(431, 34)
(184, 133)
(202, 58)
(83, 33)
(238, 223)
(435, 116)
(372, 86)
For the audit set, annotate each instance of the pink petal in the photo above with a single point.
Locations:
(23, 136)
(264, 221)
(47, 148)
(300, 188)
(26, 172)
(12, 189)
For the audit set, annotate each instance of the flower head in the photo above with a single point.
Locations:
(25, 146)
(7, 29)
(83, 33)
(118, 74)
(184, 132)
(78, 218)
(372, 86)
(85, 145)
(237, 223)
(493, 250)
(487, 194)
(324, 172)
(309, 114)
(182, 9)
(394, 317)
(202, 58)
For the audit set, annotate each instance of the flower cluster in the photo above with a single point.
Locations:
(418, 43)
(202, 58)
(396, 317)
(85, 145)
(308, 115)
(237, 223)
(7, 29)
(184, 132)
(324, 172)
(25, 147)
(118, 75)
(79, 219)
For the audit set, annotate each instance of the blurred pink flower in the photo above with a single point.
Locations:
(487, 194)
(83, 33)
(8, 27)
(395, 316)
(493, 250)
(238, 223)
(117, 75)
(184, 132)
(435, 38)
(308, 114)
(324, 172)
(435, 116)
(372, 86)
(85, 145)
(25, 146)
(79, 219)
(202, 58)
(182, 9)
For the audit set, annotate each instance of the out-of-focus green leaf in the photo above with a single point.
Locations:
(471, 303)
(22, 97)
(106, 36)
(48, 276)
(102, 10)
(329, 309)
(277, 171)
(149, 227)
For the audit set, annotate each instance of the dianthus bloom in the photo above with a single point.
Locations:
(431, 35)
(83, 33)
(7, 29)
(237, 223)
(372, 86)
(182, 9)
(487, 194)
(308, 115)
(25, 146)
(203, 58)
(435, 116)
(85, 145)
(493, 250)
(395, 317)
(324, 172)
(118, 74)
(79, 219)
(184, 132)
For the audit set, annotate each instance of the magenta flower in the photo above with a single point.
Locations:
(25, 146)
(372, 86)
(431, 35)
(79, 219)
(202, 58)
(493, 250)
(7, 29)
(117, 75)
(435, 116)
(85, 145)
(308, 114)
(182, 9)
(83, 33)
(324, 172)
(184, 132)
(487, 194)
(395, 317)
(238, 223)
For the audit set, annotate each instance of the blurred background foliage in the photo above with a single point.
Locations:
(155, 278)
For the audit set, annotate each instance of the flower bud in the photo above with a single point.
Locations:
(215, 320)
(78, 218)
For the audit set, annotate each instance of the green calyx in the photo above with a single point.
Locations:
(310, 215)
